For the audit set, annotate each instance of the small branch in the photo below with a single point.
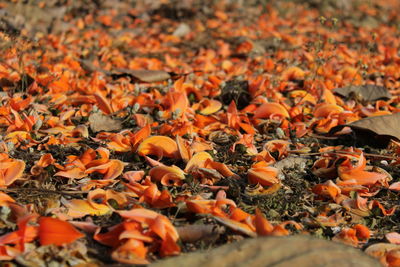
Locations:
(43, 191)
(342, 152)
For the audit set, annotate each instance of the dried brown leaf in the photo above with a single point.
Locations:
(99, 122)
(148, 76)
(196, 232)
(377, 131)
(368, 92)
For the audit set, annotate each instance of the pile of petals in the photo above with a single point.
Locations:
(119, 124)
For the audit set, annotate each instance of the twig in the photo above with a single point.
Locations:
(39, 190)
(342, 152)
(324, 137)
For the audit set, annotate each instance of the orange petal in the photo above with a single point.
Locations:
(169, 247)
(167, 175)
(198, 160)
(140, 135)
(112, 237)
(303, 95)
(57, 232)
(16, 136)
(326, 109)
(74, 173)
(111, 169)
(267, 109)
(380, 250)
(149, 217)
(5, 199)
(159, 146)
(293, 73)
(279, 230)
(78, 208)
(393, 238)
(220, 167)
(263, 226)
(207, 106)
(177, 101)
(393, 257)
(237, 226)
(362, 232)
(115, 170)
(131, 252)
(198, 206)
(395, 186)
(133, 176)
(362, 177)
(103, 103)
(183, 148)
(135, 234)
(97, 198)
(327, 189)
(158, 227)
(347, 236)
(328, 97)
(45, 160)
(200, 146)
(266, 176)
(347, 172)
(239, 215)
(11, 171)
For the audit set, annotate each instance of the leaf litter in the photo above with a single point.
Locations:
(131, 133)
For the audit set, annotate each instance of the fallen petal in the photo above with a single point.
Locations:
(56, 232)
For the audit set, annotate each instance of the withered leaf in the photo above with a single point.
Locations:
(275, 251)
(291, 162)
(196, 232)
(367, 92)
(148, 76)
(4, 82)
(99, 122)
(378, 130)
